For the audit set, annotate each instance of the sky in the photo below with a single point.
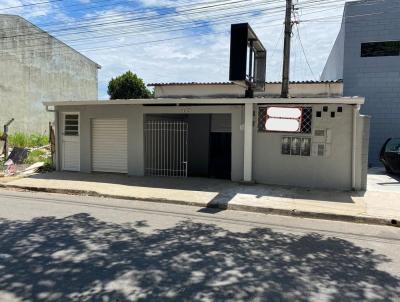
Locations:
(183, 40)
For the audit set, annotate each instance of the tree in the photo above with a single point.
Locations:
(128, 86)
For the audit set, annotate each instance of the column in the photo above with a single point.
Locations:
(248, 142)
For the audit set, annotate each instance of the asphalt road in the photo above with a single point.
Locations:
(70, 248)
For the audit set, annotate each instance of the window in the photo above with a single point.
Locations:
(380, 49)
(296, 146)
(71, 125)
(393, 146)
(285, 119)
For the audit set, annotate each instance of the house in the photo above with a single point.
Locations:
(300, 89)
(366, 55)
(36, 67)
(318, 142)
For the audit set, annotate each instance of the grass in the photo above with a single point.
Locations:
(36, 156)
(35, 140)
(23, 140)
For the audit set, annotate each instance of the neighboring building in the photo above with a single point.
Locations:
(311, 142)
(366, 55)
(36, 67)
(308, 89)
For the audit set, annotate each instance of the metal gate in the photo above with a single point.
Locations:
(166, 148)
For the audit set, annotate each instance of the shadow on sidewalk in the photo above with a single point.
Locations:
(226, 190)
(81, 258)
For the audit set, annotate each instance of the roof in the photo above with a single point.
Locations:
(216, 101)
(45, 32)
(231, 83)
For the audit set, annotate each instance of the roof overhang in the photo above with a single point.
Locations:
(217, 101)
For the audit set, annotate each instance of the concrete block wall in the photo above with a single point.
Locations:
(35, 67)
(375, 78)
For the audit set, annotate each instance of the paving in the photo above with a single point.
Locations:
(378, 205)
(58, 247)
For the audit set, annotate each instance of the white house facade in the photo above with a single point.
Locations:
(308, 142)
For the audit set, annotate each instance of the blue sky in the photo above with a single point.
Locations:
(182, 40)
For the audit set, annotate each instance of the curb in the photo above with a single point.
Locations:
(233, 207)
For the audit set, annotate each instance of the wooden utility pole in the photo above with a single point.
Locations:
(286, 50)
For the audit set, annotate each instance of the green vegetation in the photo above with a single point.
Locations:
(36, 156)
(31, 141)
(128, 86)
(23, 140)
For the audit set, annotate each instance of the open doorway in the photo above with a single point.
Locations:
(220, 147)
(220, 155)
(194, 145)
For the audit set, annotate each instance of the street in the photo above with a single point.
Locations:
(73, 248)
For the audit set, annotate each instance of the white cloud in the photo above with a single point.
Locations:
(25, 8)
(199, 57)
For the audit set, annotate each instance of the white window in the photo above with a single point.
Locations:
(71, 125)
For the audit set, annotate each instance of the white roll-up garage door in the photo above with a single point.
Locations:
(110, 145)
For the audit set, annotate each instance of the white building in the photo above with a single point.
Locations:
(319, 141)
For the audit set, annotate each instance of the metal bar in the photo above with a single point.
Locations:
(187, 150)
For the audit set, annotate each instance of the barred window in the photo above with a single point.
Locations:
(285, 119)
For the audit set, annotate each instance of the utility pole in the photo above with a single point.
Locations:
(286, 50)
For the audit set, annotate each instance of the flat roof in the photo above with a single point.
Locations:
(339, 81)
(209, 101)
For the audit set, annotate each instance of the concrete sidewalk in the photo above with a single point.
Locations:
(374, 206)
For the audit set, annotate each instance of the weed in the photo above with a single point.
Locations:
(36, 156)
(23, 140)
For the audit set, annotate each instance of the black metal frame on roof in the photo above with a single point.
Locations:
(247, 58)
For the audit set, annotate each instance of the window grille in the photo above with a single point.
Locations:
(306, 119)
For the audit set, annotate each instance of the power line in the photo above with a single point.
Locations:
(152, 15)
(167, 27)
(197, 10)
(304, 53)
(173, 23)
(29, 4)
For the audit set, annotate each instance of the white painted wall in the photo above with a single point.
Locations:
(333, 171)
(230, 90)
(269, 166)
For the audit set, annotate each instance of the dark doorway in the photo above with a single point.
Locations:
(220, 155)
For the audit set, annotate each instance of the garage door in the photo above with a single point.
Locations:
(110, 145)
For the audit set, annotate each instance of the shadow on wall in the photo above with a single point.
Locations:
(80, 258)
